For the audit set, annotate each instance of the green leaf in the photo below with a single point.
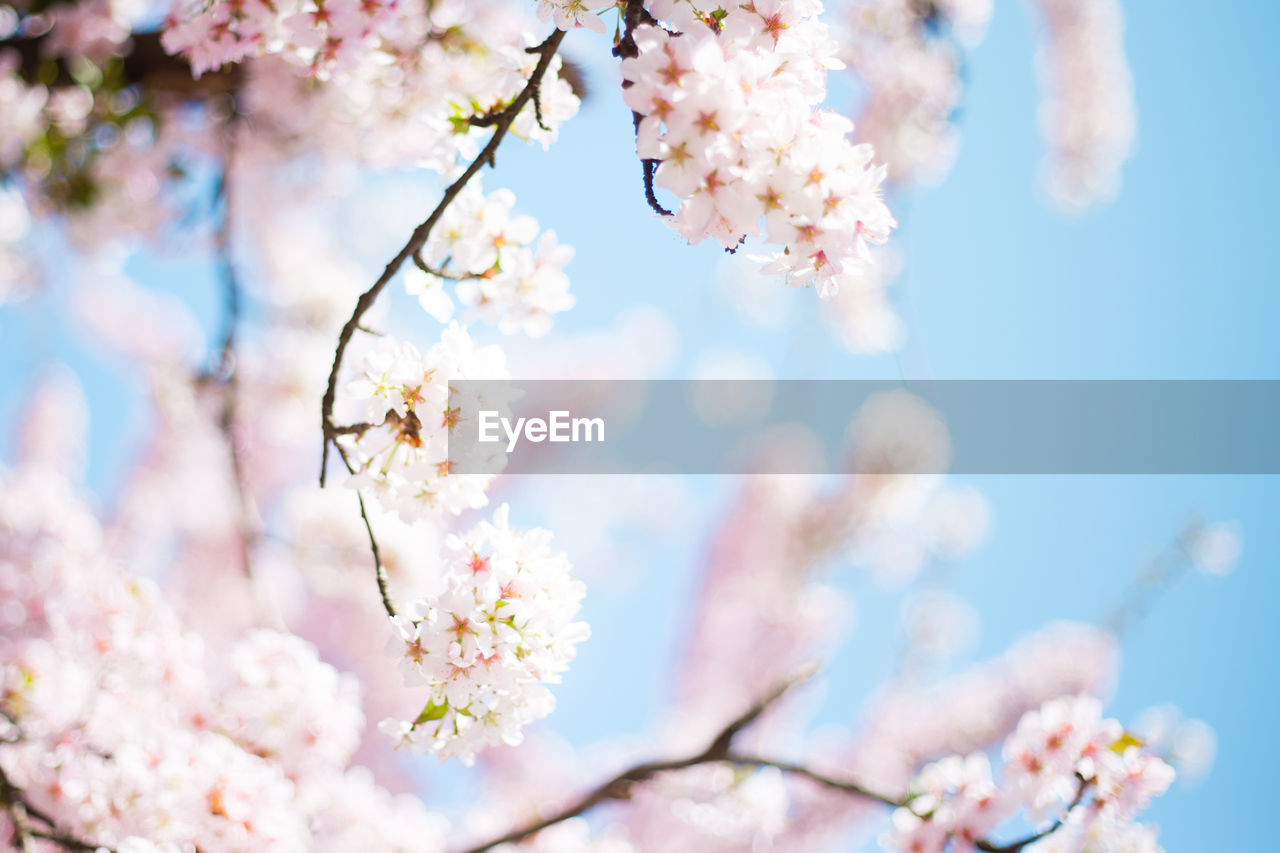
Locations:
(431, 712)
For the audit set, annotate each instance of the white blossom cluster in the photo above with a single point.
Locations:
(326, 36)
(402, 456)
(411, 73)
(508, 274)
(139, 736)
(487, 645)
(1062, 757)
(570, 14)
(729, 109)
(286, 706)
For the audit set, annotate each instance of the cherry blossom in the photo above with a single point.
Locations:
(510, 275)
(401, 456)
(410, 73)
(570, 13)
(729, 113)
(953, 803)
(1062, 757)
(199, 657)
(486, 647)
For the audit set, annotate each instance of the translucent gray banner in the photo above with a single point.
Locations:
(823, 427)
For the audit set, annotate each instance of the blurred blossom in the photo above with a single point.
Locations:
(758, 298)
(724, 392)
(1087, 117)
(54, 434)
(1191, 746)
(17, 272)
(623, 511)
(896, 432)
(1213, 548)
(961, 520)
(938, 625)
(731, 806)
(908, 56)
(860, 315)
(641, 344)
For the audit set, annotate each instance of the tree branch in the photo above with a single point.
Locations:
(146, 64)
(717, 751)
(502, 123)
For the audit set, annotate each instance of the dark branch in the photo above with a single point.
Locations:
(717, 751)
(626, 48)
(650, 168)
(145, 64)
(546, 51)
(379, 570)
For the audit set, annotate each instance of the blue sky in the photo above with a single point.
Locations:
(1176, 279)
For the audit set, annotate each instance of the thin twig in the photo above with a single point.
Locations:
(421, 264)
(379, 570)
(501, 124)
